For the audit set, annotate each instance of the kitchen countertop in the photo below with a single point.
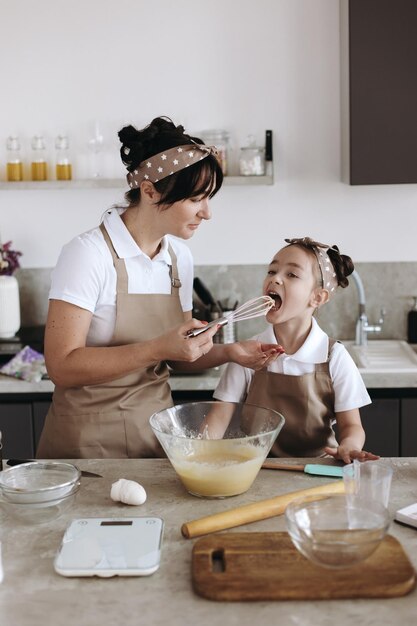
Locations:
(33, 594)
(190, 382)
(207, 381)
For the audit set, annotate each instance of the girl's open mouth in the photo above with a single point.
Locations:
(277, 299)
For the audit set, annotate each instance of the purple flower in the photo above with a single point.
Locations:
(9, 259)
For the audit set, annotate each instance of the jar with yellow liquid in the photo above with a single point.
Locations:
(63, 161)
(39, 165)
(14, 162)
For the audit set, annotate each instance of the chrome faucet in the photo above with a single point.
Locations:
(362, 326)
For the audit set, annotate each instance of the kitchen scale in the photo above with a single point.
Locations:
(108, 547)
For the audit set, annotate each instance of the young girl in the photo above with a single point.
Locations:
(314, 381)
(121, 299)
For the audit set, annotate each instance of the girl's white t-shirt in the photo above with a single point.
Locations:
(85, 274)
(349, 388)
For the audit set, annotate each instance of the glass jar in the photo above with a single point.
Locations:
(63, 161)
(39, 165)
(252, 159)
(220, 139)
(14, 162)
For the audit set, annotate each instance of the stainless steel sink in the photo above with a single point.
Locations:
(383, 356)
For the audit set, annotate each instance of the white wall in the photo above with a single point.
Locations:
(238, 64)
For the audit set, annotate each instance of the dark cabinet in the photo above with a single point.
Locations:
(381, 422)
(17, 430)
(390, 422)
(40, 409)
(409, 427)
(379, 91)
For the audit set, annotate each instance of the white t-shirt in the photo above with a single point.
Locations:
(349, 388)
(85, 274)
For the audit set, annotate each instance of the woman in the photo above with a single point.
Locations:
(121, 300)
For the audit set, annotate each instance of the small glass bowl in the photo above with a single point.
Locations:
(335, 531)
(38, 482)
(40, 512)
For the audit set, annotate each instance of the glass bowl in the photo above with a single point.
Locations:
(216, 448)
(38, 482)
(335, 531)
(40, 512)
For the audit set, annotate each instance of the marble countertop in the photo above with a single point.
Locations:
(208, 380)
(189, 382)
(32, 594)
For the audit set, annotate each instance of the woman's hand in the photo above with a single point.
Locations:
(176, 345)
(345, 454)
(254, 354)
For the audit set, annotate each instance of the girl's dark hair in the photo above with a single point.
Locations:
(204, 178)
(342, 264)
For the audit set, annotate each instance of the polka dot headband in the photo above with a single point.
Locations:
(328, 275)
(168, 162)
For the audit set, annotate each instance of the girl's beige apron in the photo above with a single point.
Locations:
(112, 419)
(307, 404)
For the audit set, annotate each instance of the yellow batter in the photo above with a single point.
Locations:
(219, 468)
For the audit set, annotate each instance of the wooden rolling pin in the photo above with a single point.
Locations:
(253, 512)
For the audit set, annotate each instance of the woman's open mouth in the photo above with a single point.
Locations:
(277, 299)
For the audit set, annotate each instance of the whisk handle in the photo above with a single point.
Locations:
(221, 321)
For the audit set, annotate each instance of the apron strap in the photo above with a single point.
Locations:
(120, 267)
(324, 367)
(173, 271)
(119, 264)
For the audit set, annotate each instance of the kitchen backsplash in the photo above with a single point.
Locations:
(387, 285)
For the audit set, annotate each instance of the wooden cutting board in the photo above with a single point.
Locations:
(267, 566)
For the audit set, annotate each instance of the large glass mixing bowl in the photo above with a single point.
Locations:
(216, 448)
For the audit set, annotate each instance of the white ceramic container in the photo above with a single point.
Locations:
(9, 307)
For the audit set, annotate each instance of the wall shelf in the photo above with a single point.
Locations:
(115, 183)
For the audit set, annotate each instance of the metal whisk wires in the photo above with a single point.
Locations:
(256, 307)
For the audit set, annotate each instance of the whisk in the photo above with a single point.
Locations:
(256, 307)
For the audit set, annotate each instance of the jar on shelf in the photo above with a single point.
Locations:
(14, 161)
(63, 160)
(39, 165)
(220, 139)
(252, 159)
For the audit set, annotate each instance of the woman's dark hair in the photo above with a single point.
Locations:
(204, 178)
(342, 264)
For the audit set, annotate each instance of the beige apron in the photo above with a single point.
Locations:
(307, 404)
(112, 419)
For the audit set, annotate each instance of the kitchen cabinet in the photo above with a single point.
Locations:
(40, 409)
(409, 427)
(379, 91)
(17, 430)
(390, 422)
(381, 422)
(22, 417)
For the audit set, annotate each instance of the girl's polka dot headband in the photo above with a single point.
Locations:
(328, 275)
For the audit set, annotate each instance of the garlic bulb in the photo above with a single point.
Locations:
(128, 491)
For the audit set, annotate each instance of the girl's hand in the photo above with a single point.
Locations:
(253, 354)
(346, 455)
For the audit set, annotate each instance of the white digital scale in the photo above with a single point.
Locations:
(110, 547)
